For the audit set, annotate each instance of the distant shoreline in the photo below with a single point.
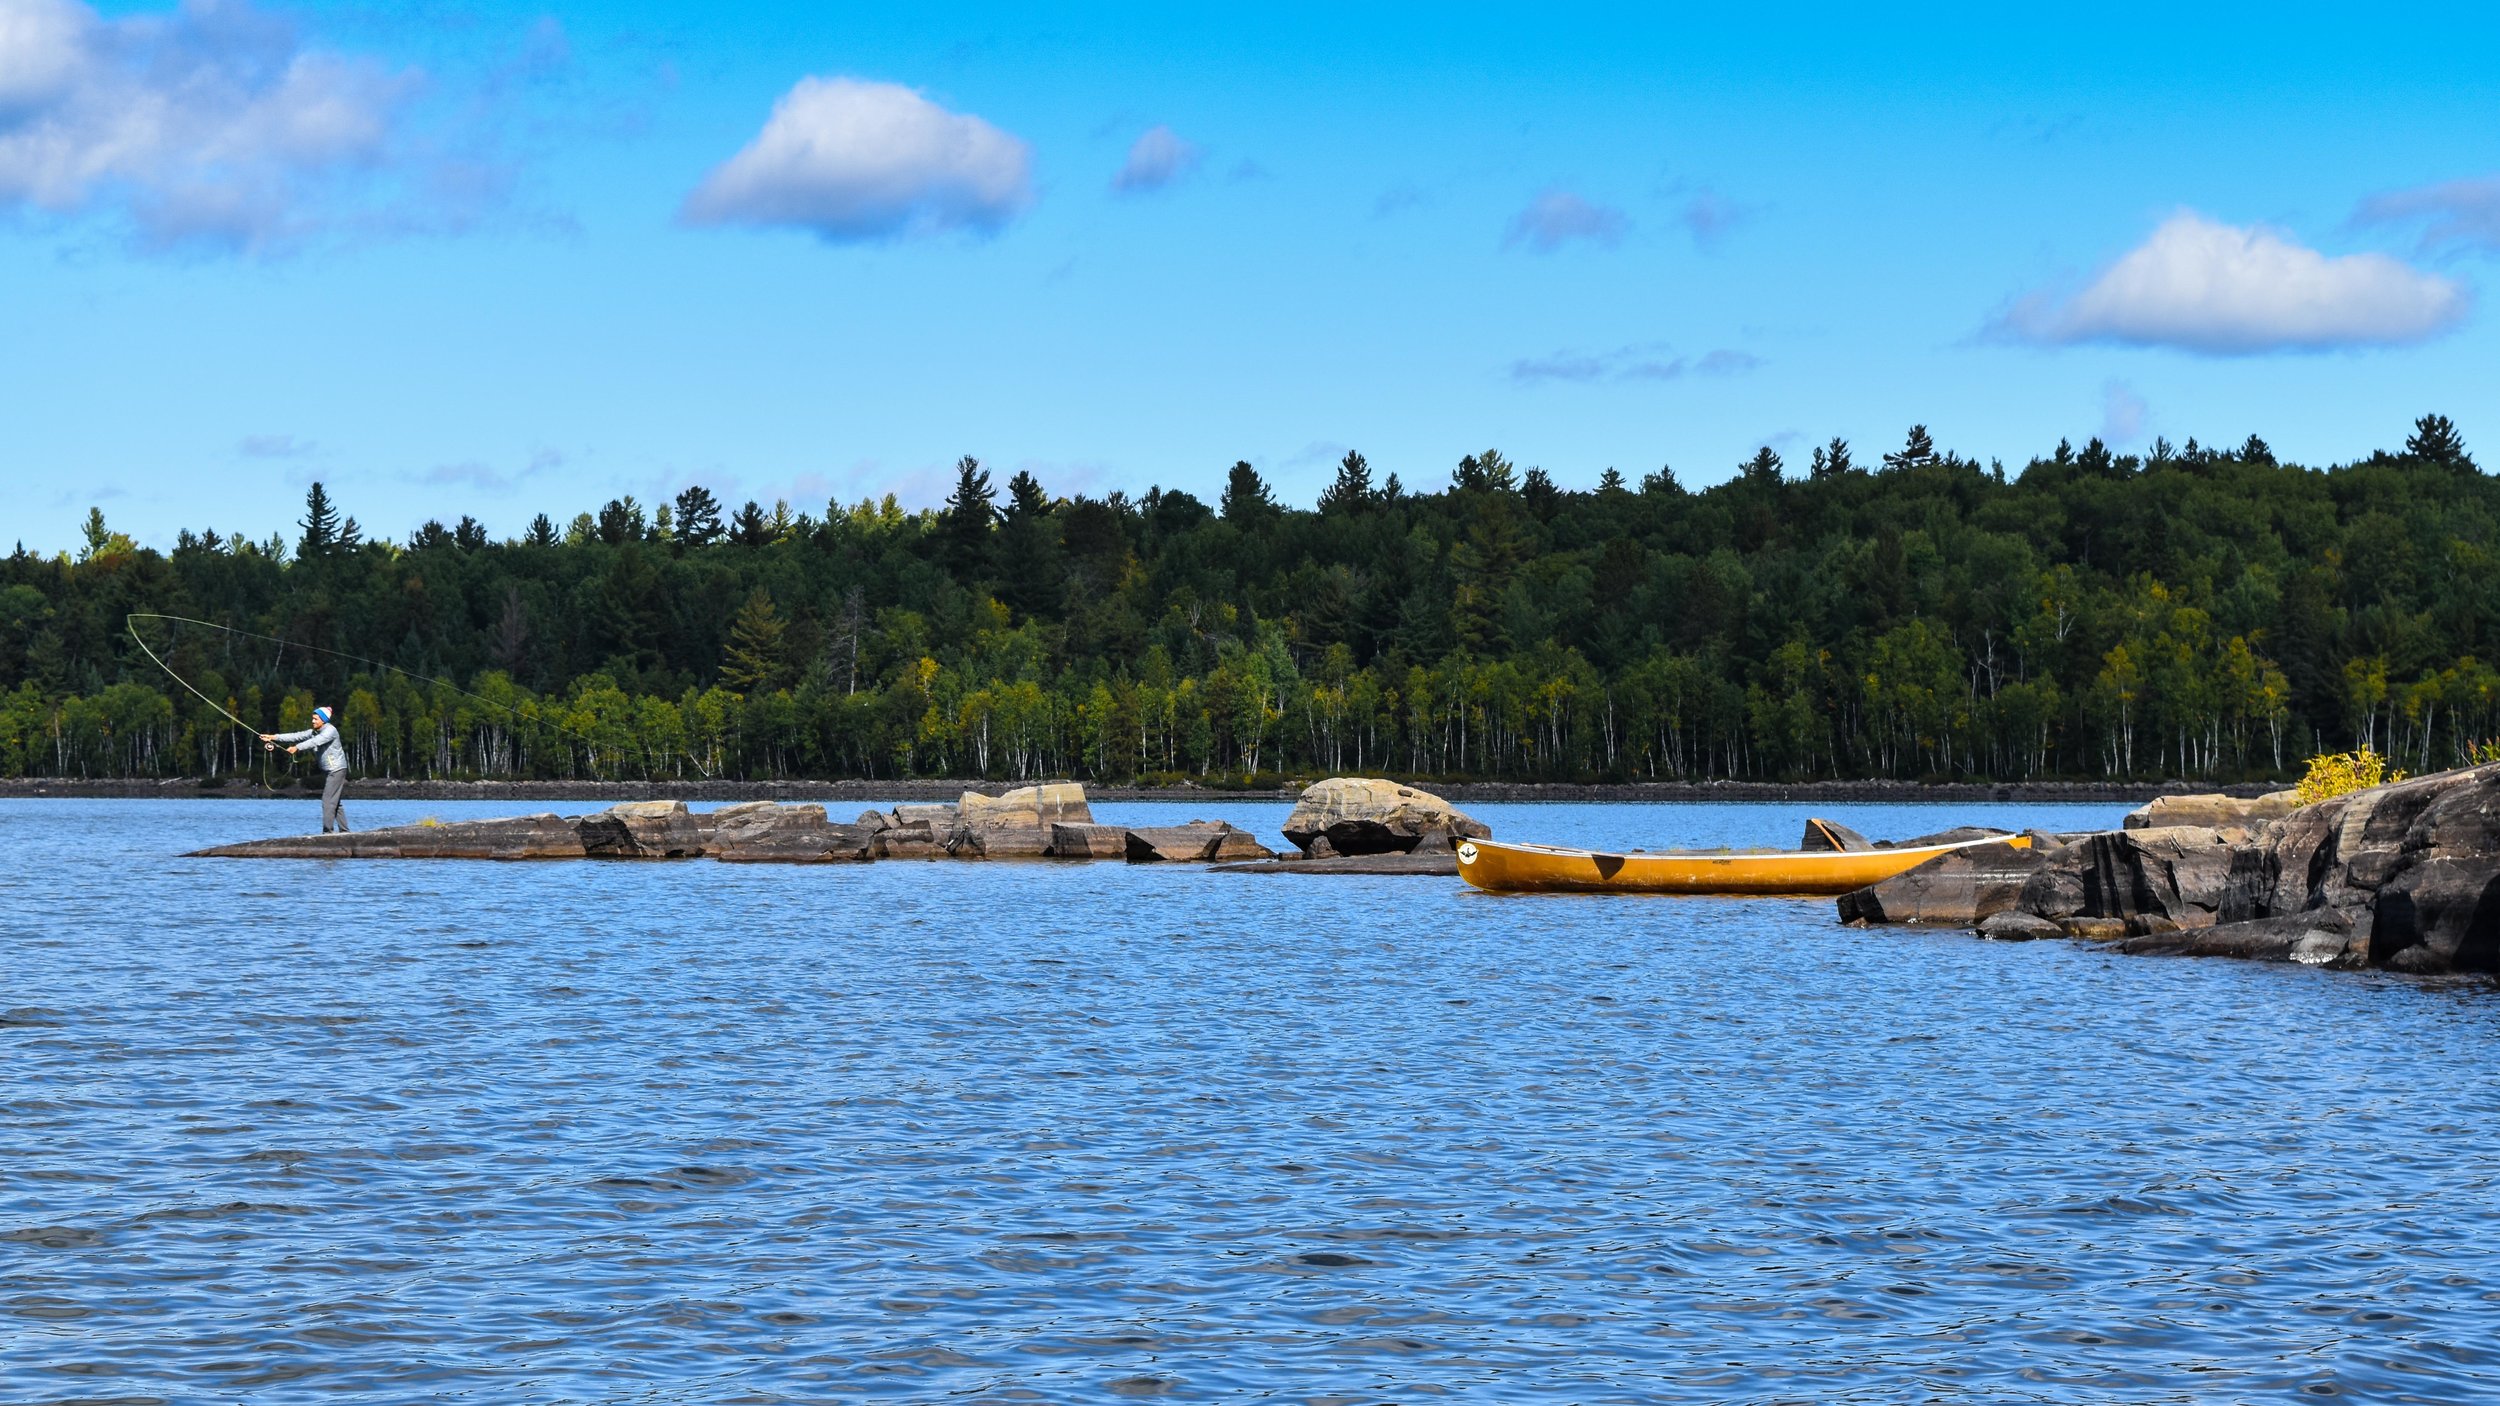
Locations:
(829, 792)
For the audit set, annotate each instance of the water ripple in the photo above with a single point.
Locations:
(700, 1133)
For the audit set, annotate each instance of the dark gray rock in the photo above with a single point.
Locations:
(1956, 889)
(1827, 836)
(644, 830)
(2171, 877)
(509, 837)
(2014, 925)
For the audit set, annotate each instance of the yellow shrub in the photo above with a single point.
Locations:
(2483, 753)
(2342, 773)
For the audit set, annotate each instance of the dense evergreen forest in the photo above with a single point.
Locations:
(2189, 612)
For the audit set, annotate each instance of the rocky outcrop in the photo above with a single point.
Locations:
(1358, 815)
(1017, 825)
(2404, 876)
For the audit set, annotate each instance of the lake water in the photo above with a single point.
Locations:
(279, 1131)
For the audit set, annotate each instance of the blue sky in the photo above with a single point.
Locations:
(511, 260)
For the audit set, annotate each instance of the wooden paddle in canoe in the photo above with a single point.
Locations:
(1523, 868)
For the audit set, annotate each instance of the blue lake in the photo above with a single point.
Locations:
(282, 1131)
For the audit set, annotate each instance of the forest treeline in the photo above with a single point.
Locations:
(2189, 612)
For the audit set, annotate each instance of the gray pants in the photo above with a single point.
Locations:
(333, 815)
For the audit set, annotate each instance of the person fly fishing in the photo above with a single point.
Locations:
(332, 756)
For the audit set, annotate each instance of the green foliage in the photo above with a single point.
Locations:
(2191, 613)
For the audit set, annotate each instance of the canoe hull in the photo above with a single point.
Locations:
(1523, 868)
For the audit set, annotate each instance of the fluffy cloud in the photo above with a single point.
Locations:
(2226, 290)
(209, 126)
(2455, 214)
(1157, 159)
(855, 160)
(1558, 217)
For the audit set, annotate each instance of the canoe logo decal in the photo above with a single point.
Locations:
(1466, 854)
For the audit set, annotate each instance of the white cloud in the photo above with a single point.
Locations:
(209, 126)
(855, 160)
(2123, 413)
(1158, 158)
(2455, 213)
(2204, 286)
(1558, 217)
(1640, 361)
(274, 446)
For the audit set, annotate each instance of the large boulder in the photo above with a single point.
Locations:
(1033, 807)
(1359, 815)
(1956, 889)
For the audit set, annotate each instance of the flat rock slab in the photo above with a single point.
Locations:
(1439, 865)
(515, 837)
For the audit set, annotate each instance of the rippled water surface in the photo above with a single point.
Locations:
(288, 1131)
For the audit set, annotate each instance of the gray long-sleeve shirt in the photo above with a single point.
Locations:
(325, 738)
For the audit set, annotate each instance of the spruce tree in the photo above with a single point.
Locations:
(542, 532)
(1352, 490)
(756, 660)
(320, 523)
(1246, 498)
(964, 527)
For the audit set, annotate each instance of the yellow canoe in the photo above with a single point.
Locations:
(1524, 868)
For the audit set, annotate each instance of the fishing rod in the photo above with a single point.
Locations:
(130, 623)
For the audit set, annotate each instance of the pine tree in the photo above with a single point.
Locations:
(750, 528)
(320, 523)
(698, 518)
(1352, 490)
(1832, 460)
(1763, 467)
(1246, 498)
(2434, 438)
(1541, 494)
(1030, 575)
(964, 527)
(469, 534)
(1917, 450)
(755, 661)
(2256, 451)
(542, 532)
(1610, 483)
